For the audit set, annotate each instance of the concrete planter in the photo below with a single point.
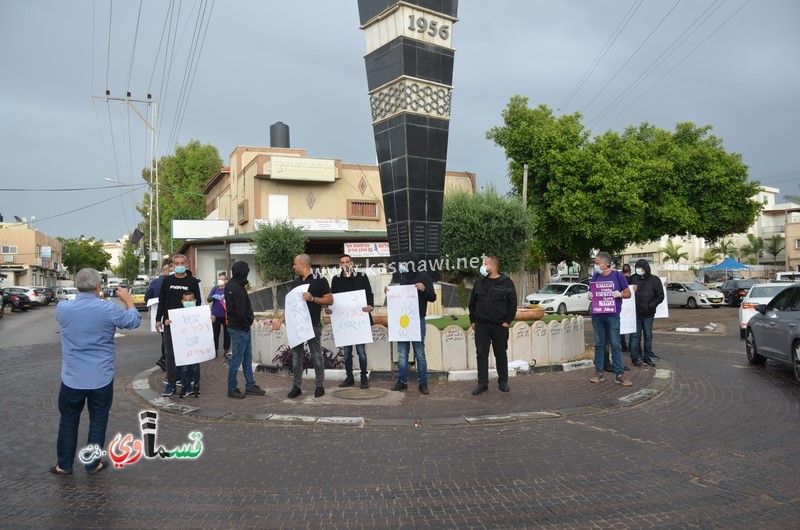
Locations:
(527, 314)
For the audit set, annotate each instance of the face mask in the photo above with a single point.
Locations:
(189, 303)
(640, 272)
(484, 271)
(171, 273)
(180, 269)
(221, 283)
(403, 268)
(597, 269)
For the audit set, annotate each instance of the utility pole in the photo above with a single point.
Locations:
(523, 279)
(153, 167)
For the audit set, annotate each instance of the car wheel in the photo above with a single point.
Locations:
(796, 360)
(752, 352)
(562, 309)
(691, 302)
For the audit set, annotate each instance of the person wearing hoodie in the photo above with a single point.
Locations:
(649, 294)
(411, 275)
(240, 318)
(492, 307)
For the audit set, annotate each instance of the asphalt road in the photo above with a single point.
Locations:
(716, 449)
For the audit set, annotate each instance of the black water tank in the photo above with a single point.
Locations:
(279, 134)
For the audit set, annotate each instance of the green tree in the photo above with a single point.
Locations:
(774, 247)
(128, 267)
(708, 257)
(81, 253)
(277, 244)
(673, 253)
(181, 179)
(621, 189)
(725, 248)
(484, 224)
(753, 248)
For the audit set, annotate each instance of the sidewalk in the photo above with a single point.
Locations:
(532, 396)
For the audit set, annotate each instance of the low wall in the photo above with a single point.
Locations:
(450, 349)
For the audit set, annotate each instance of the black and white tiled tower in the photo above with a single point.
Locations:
(409, 65)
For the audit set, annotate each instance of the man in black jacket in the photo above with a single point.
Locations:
(350, 280)
(492, 307)
(240, 318)
(410, 274)
(649, 293)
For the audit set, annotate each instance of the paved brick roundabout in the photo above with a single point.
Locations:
(714, 448)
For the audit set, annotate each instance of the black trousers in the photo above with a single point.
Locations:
(220, 325)
(496, 336)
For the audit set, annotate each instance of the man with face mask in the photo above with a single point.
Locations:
(216, 297)
(649, 294)
(492, 307)
(240, 318)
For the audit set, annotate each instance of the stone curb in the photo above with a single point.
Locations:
(661, 380)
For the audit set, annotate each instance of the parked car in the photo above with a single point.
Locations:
(561, 298)
(735, 290)
(761, 293)
(137, 293)
(692, 295)
(36, 297)
(16, 298)
(49, 293)
(564, 278)
(774, 331)
(66, 293)
(714, 279)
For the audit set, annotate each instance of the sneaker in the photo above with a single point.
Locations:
(183, 393)
(480, 389)
(423, 389)
(504, 387)
(166, 381)
(319, 392)
(255, 390)
(637, 362)
(169, 390)
(294, 392)
(347, 382)
(623, 380)
(654, 356)
(236, 394)
(650, 362)
(399, 386)
(597, 378)
(196, 391)
(189, 388)
(364, 382)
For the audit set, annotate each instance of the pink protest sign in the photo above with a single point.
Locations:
(602, 300)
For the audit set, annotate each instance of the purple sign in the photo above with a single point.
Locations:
(603, 302)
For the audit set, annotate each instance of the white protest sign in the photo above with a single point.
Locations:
(662, 311)
(627, 317)
(192, 336)
(153, 305)
(298, 318)
(350, 322)
(403, 309)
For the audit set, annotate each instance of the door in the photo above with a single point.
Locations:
(786, 325)
(767, 328)
(578, 298)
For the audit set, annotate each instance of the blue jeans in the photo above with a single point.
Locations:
(362, 359)
(419, 355)
(70, 405)
(644, 325)
(606, 329)
(190, 372)
(241, 355)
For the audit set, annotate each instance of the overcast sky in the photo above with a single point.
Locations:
(732, 64)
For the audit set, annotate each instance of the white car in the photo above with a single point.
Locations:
(693, 295)
(761, 293)
(66, 293)
(561, 298)
(36, 297)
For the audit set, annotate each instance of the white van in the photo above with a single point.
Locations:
(787, 277)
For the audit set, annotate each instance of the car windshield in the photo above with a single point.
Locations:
(139, 290)
(71, 290)
(744, 284)
(766, 291)
(695, 286)
(553, 288)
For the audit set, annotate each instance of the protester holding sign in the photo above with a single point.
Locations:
(317, 295)
(649, 294)
(216, 297)
(607, 288)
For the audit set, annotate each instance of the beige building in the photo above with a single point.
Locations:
(793, 246)
(28, 256)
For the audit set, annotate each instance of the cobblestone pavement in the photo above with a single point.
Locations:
(716, 448)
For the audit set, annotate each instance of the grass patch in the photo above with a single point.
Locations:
(463, 320)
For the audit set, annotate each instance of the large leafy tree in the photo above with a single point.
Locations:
(181, 178)
(484, 224)
(128, 267)
(618, 189)
(81, 253)
(276, 245)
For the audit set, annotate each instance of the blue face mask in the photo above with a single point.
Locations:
(484, 271)
(597, 269)
(180, 269)
(189, 303)
(403, 268)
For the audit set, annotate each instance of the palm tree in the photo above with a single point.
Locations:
(774, 247)
(710, 256)
(672, 252)
(726, 248)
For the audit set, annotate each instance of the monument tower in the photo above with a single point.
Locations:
(409, 66)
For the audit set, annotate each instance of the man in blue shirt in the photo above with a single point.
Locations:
(87, 326)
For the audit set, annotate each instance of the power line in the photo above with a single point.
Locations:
(160, 42)
(108, 51)
(73, 189)
(133, 51)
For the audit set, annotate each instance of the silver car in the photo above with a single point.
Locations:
(692, 295)
(774, 331)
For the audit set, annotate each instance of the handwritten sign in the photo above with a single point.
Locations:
(662, 311)
(627, 317)
(298, 319)
(350, 322)
(192, 335)
(152, 305)
(403, 308)
(602, 300)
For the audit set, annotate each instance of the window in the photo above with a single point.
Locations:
(241, 212)
(797, 244)
(362, 209)
(9, 249)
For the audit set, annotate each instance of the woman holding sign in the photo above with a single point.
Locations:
(606, 290)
